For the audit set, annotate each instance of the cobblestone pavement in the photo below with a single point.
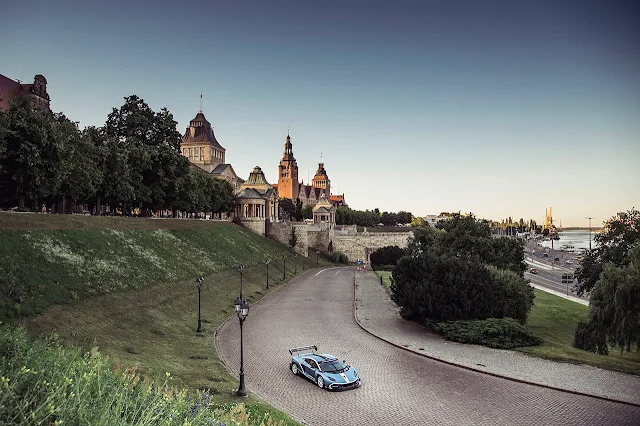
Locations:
(379, 315)
(399, 387)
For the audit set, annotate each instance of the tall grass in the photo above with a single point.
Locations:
(45, 383)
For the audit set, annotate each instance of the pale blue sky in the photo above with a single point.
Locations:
(502, 108)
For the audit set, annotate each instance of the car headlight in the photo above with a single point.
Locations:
(355, 373)
(332, 379)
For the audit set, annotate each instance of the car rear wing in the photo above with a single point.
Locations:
(304, 349)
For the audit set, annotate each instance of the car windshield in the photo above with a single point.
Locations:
(332, 366)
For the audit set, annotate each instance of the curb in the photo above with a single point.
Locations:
(466, 367)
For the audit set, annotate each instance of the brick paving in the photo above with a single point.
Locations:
(399, 387)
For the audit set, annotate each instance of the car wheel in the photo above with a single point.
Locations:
(320, 382)
(294, 369)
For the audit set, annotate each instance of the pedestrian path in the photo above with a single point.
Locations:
(378, 315)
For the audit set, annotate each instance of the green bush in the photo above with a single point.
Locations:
(43, 382)
(388, 255)
(442, 288)
(512, 294)
(339, 257)
(501, 333)
(589, 339)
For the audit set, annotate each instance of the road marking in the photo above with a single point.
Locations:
(338, 272)
(320, 272)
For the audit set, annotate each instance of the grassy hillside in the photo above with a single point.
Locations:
(126, 286)
(61, 259)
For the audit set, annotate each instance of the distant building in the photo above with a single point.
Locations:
(36, 92)
(433, 219)
(289, 187)
(324, 213)
(201, 147)
(257, 203)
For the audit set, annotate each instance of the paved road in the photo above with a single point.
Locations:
(399, 387)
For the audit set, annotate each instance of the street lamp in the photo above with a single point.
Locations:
(284, 267)
(317, 253)
(242, 310)
(199, 281)
(266, 262)
(295, 265)
(589, 231)
(241, 268)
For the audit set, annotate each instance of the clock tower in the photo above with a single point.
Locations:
(288, 173)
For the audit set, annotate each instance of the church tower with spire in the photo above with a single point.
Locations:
(288, 173)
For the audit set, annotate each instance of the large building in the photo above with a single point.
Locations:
(289, 187)
(201, 147)
(36, 92)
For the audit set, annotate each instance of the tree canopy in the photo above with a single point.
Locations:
(134, 160)
(611, 272)
(620, 234)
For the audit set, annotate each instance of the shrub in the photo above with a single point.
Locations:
(500, 333)
(388, 255)
(43, 382)
(588, 338)
(512, 295)
(441, 288)
(339, 257)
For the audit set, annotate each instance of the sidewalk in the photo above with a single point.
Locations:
(378, 315)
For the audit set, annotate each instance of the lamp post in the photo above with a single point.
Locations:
(241, 268)
(266, 262)
(295, 264)
(589, 231)
(317, 253)
(199, 281)
(242, 310)
(284, 267)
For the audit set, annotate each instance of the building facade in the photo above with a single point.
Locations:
(36, 92)
(289, 187)
(200, 146)
(256, 203)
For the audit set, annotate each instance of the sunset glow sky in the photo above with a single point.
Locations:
(501, 108)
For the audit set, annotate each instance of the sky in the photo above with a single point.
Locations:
(500, 108)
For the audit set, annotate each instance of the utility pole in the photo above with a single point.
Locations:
(589, 231)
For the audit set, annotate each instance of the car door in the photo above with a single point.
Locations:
(309, 367)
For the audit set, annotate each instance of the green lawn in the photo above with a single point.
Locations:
(386, 279)
(554, 320)
(127, 286)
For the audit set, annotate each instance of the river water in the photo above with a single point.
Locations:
(578, 239)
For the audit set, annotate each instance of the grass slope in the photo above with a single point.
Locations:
(126, 286)
(554, 320)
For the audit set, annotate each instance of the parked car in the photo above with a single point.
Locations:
(325, 370)
(569, 262)
(533, 271)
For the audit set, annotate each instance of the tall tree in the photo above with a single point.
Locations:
(620, 233)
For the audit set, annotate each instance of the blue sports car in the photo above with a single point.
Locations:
(325, 370)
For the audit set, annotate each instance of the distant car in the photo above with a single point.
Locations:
(546, 255)
(569, 262)
(325, 370)
(557, 259)
(533, 271)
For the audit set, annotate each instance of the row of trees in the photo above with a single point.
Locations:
(611, 273)
(348, 216)
(457, 271)
(134, 160)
